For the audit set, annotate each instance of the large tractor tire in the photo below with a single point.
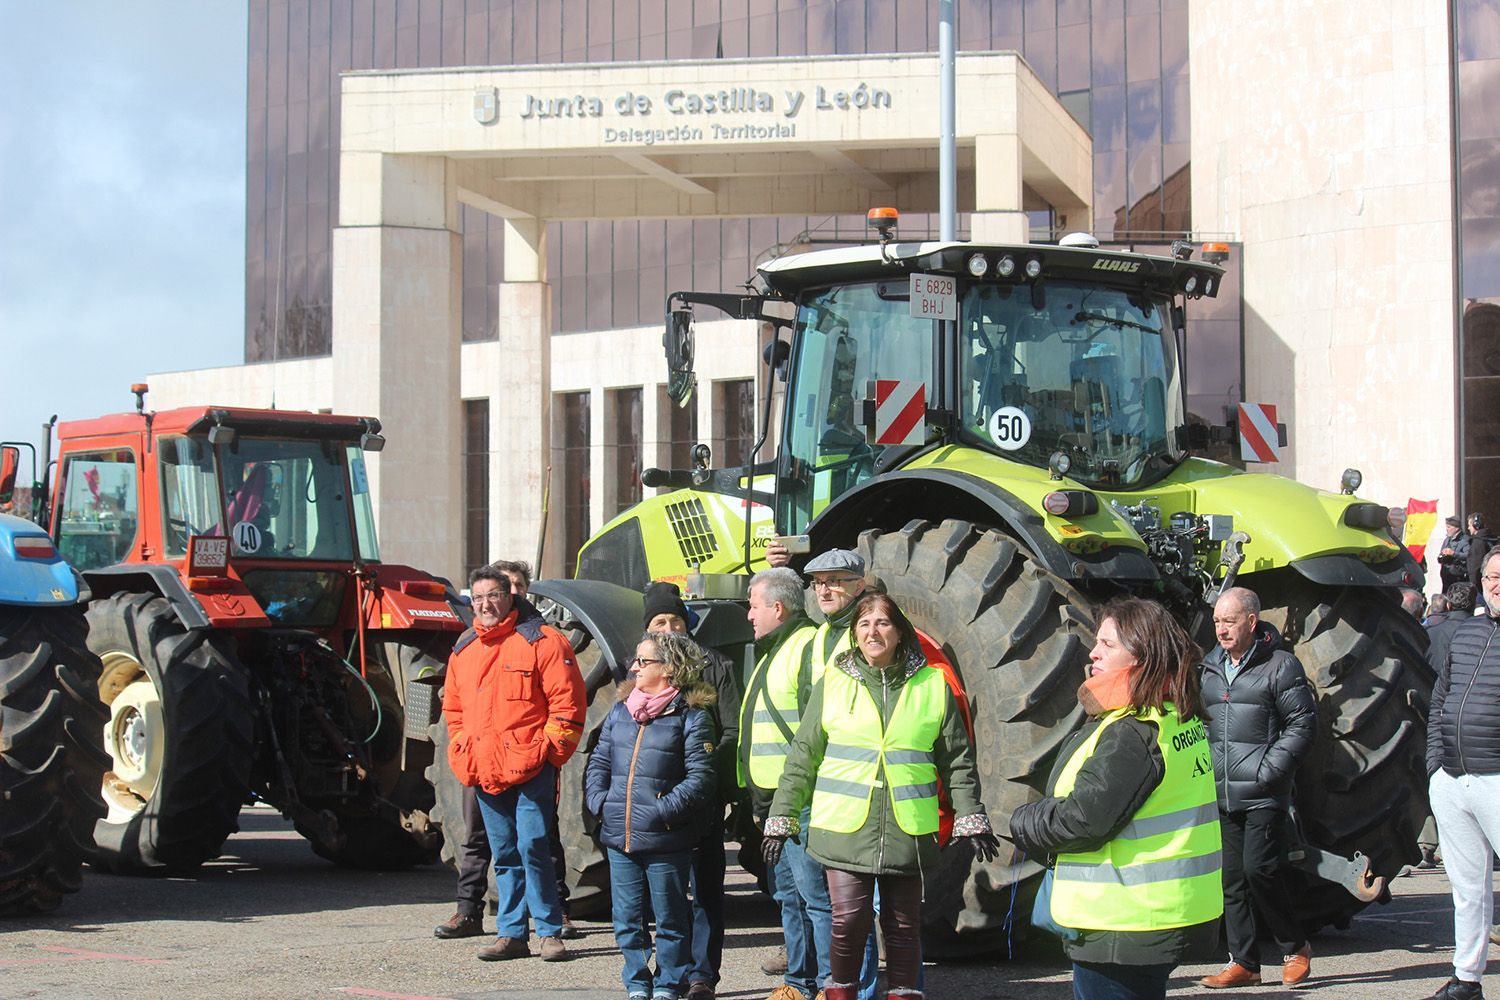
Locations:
(1019, 637)
(180, 736)
(390, 829)
(1364, 786)
(51, 756)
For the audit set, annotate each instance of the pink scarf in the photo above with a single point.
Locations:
(644, 707)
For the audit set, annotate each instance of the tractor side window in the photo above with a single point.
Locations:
(364, 512)
(190, 492)
(98, 517)
(847, 337)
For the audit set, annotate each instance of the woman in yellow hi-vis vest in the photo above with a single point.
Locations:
(879, 733)
(1132, 817)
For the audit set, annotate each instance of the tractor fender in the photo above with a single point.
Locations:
(610, 613)
(1344, 570)
(892, 500)
(147, 578)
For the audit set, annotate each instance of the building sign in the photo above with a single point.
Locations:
(678, 115)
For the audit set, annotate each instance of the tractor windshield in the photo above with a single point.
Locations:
(273, 498)
(846, 336)
(1092, 374)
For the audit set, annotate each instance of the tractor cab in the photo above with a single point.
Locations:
(287, 493)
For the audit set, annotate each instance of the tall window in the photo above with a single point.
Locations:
(626, 451)
(734, 418)
(476, 445)
(678, 428)
(573, 408)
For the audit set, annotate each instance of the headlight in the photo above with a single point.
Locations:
(1190, 284)
(1396, 519)
(1006, 266)
(1350, 480)
(1058, 464)
(1033, 268)
(978, 266)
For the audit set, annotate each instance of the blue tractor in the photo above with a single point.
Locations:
(52, 759)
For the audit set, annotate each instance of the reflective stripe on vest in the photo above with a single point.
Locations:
(1163, 869)
(860, 750)
(768, 744)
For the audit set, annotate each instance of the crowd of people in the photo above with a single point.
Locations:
(1166, 816)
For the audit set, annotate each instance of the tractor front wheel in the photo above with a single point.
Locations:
(51, 758)
(180, 736)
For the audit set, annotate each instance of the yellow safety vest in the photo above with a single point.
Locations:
(777, 695)
(861, 748)
(1163, 869)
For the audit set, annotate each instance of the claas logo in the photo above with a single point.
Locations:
(1109, 264)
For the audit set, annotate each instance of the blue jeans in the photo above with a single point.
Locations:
(665, 878)
(517, 821)
(1093, 981)
(869, 971)
(800, 886)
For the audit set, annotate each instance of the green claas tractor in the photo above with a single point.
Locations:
(1002, 432)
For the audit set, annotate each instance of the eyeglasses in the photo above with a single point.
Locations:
(498, 597)
(837, 583)
(1490, 577)
(641, 661)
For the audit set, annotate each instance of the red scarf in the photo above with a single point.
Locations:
(499, 630)
(644, 707)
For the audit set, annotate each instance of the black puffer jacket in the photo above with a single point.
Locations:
(1260, 726)
(1463, 723)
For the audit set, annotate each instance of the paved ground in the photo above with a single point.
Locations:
(272, 920)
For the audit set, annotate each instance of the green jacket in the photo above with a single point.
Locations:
(880, 846)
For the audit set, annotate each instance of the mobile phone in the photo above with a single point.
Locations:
(797, 545)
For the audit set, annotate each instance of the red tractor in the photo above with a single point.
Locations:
(254, 646)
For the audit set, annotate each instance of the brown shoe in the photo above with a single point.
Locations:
(700, 990)
(1234, 974)
(504, 948)
(553, 950)
(570, 931)
(460, 925)
(775, 963)
(1297, 966)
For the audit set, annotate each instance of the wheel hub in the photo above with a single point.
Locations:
(134, 736)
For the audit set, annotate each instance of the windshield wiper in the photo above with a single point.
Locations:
(1114, 321)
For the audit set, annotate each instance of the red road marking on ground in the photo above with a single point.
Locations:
(389, 996)
(79, 955)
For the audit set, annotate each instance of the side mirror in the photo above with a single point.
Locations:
(10, 464)
(678, 343)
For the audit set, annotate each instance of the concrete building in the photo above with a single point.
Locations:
(479, 256)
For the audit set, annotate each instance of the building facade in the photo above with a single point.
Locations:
(1331, 158)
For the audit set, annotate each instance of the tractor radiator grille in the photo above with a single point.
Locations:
(695, 535)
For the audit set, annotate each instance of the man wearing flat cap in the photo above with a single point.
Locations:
(665, 611)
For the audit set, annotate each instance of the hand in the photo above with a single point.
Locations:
(770, 850)
(986, 845)
(777, 554)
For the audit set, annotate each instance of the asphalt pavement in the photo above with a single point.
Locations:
(270, 920)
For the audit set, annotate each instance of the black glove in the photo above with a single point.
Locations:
(770, 850)
(986, 845)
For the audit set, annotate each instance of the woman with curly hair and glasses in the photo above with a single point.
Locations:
(879, 732)
(1131, 815)
(650, 780)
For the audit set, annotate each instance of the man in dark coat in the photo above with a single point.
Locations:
(1463, 765)
(1481, 540)
(1453, 557)
(1261, 721)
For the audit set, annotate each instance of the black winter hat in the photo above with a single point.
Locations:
(665, 599)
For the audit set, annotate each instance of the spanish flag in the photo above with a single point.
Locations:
(1421, 518)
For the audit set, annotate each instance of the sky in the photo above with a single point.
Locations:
(122, 200)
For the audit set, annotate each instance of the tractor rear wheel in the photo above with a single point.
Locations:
(1019, 637)
(1364, 785)
(51, 755)
(180, 735)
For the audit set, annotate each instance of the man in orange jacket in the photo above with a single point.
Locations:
(515, 705)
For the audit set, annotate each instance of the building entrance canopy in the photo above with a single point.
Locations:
(718, 138)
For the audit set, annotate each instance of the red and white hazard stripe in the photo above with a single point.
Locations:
(900, 411)
(1259, 440)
